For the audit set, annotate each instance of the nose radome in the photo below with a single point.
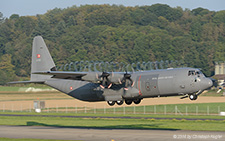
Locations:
(210, 82)
(207, 83)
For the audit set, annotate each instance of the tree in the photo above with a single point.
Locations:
(200, 11)
(26, 24)
(116, 33)
(6, 69)
(2, 19)
(219, 17)
(166, 11)
(43, 28)
(60, 28)
(14, 17)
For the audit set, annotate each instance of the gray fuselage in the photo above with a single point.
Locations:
(155, 83)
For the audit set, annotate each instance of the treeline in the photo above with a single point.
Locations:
(114, 33)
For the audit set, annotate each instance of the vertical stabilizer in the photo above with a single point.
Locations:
(41, 60)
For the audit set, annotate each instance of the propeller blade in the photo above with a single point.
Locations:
(219, 91)
(125, 89)
(119, 81)
(110, 85)
(132, 84)
(102, 87)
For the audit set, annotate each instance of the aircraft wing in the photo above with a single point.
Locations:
(25, 82)
(63, 74)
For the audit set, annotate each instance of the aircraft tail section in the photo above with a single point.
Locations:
(41, 60)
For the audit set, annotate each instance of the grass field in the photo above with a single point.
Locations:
(10, 139)
(167, 109)
(152, 123)
(175, 109)
(10, 89)
(17, 88)
(209, 117)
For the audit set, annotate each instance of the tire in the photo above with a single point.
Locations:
(193, 97)
(111, 103)
(137, 101)
(196, 97)
(119, 102)
(128, 102)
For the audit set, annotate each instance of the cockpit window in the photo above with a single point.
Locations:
(198, 73)
(195, 73)
(191, 72)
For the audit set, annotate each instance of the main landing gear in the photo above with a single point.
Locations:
(118, 102)
(127, 101)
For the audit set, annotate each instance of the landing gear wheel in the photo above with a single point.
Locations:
(128, 102)
(119, 102)
(193, 97)
(111, 103)
(137, 101)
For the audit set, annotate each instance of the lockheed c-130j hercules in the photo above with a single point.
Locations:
(115, 87)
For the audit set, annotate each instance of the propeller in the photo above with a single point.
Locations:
(128, 82)
(108, 79)
(215, 84)
(106, 83)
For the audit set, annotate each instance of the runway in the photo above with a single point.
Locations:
(86, 134)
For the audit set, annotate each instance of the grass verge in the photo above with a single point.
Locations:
(117, 123)
(209, 117)
(11, 139)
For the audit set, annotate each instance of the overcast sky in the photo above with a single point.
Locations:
(34, 7)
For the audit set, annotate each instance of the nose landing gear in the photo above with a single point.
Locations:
(193, 96)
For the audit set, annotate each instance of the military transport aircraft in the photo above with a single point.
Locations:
(115, 87)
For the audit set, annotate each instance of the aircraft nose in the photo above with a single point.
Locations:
(207, 83)
(210, 83)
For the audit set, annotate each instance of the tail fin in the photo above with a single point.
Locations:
(41, 60)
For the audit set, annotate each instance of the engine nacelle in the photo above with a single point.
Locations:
(131, 92)
(115, 78)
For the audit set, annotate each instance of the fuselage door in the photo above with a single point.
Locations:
(147, 86)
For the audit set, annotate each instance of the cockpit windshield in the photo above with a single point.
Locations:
(191, 72)
(197, 73)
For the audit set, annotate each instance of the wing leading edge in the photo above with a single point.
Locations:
(63, 74)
